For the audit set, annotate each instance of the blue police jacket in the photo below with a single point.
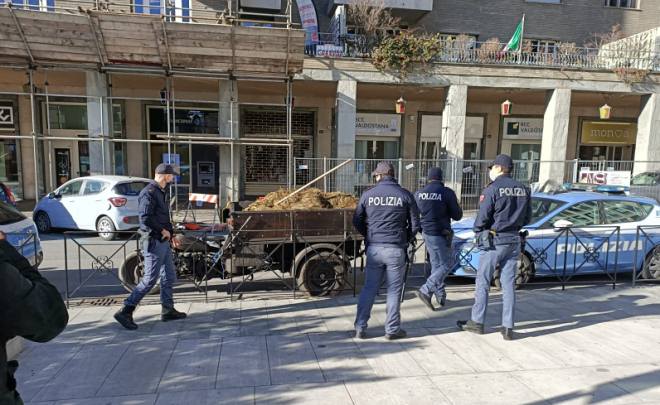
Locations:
(437, 205)
(504, 207)
(154, 210)
(387, 215)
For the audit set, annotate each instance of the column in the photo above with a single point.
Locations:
(346, 112)
(228, 120)
(98, 123)
(453, 133)
(136, 153)
(555, 135)
(647, 152)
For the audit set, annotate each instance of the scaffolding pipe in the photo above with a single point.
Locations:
(289, 114)
(102, 136)
(49, 144)
(34, 136)
(176, 182)
(148, 141)
(232, 136)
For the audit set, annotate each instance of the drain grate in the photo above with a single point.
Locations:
(101, 302)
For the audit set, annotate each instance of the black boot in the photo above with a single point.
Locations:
(471, 326)
(426, 299)
(171, 314)
(507, 333)
(125, 317)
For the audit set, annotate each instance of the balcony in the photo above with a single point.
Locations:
(488, 53)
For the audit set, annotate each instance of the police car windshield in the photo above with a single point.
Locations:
(542, 207)
(9, 214)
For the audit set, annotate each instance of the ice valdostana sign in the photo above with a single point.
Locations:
(605, 177)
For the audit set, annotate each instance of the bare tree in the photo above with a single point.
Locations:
(372, 18)
(599, 39)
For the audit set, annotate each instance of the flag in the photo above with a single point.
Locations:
(516, 40)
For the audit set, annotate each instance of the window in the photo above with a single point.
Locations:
(175, 10)
(542, 207)
(374, 149)
(130, 189)
(582, 214)
(459, 41)
(68, 116)
(543, 46)
(71, 189)
(36, 5)
(622, 3)
(646, 179)
(617, 212)
(94, 187)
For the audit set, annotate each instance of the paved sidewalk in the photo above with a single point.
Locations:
(583, 345)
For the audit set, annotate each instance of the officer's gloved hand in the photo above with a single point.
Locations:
(484, 240)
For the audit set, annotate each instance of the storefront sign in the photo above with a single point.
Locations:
(608, 133)
(184, 121)
(605, 177)
(6, 117)
(378, 124)
(523, 128)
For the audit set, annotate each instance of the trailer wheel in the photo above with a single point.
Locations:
(651, 269)
(320, 270)
(131, 272)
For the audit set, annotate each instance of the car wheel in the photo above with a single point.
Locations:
(131, 272)
(106, 228)
(524, 272)
(43, 222)
(651, 269)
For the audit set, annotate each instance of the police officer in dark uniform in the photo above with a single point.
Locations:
(156, 230)
(30, 307)
(438, 205)
(388, 218)
(504, 208)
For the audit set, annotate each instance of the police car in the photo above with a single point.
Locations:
(576, 233)
(21, 233)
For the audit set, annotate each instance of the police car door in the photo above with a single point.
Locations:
(572, 240)
(627, 215)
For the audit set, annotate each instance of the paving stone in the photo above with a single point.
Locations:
(84, 374)
(121, 400)
(396, 391)
(339, 358)
(318, 394)
(477, 353)
(243, 362)
(292, 360)
(40, 365)
(428, 350)
(485, 388)
(194, 365)
(225, 396)
(389, 358)
(139, 370)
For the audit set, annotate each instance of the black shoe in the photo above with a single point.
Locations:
(171, 314)
(507, 333)
(360, 334)
(426, 299)
(470, 326)
(400, 334)
(442, 301)
(125, 317)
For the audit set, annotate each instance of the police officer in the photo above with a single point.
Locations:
(30, 307)
(504, 208)
(156, 230)
(438, 205)
(388, 218)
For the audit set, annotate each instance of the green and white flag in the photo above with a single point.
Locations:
(516, 40)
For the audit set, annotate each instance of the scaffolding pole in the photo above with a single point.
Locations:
(34, 136)
(289, 115)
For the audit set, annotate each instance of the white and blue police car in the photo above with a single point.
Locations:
(577, 232)
(21, 233)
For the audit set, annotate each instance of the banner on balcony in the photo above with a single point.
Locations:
(309, 21)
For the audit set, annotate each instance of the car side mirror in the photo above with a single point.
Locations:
(54, 195)
(562, 223)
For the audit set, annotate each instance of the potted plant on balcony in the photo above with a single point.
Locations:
(403, 53)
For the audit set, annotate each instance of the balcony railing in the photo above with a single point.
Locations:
(480, 53)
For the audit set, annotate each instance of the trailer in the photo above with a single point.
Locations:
(315, 246)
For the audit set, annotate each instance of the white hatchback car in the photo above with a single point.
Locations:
(96, 203)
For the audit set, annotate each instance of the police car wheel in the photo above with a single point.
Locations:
(524, 272)
(131, 271)
(106, 229)
(651, 269)
(320, 273)
(42, 221)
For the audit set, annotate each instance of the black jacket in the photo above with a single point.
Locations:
(30, 307)
(438, 205)
(504, 207)
(387, 215)
(154, 211)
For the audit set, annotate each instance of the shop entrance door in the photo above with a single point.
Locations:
(62, 165)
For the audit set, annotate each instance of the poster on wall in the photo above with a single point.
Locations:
(378, 124)
(605, 177)
(522, 128)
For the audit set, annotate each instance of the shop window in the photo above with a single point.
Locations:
(618, 212)
(376, 149)
(68, 116)
(622, 3)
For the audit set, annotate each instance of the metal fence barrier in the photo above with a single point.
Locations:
(647, 254)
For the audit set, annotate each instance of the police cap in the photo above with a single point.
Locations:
(435, 173)
(384, 168)
(502, 160)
